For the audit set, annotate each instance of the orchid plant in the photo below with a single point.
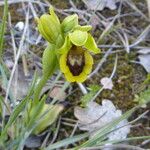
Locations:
(69, 46)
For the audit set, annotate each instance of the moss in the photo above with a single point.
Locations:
(124, 81)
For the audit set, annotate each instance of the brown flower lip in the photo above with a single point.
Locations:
(76, 60)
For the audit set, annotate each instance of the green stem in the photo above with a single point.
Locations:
(39, 87)
(49, 63)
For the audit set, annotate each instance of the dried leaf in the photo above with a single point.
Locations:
(145, 61)
(96, 116)
(57, 92)
(100, 4)
(107, 83)
(20, 83)
(144, 51)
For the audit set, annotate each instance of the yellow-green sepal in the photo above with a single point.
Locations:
(42, 31)
(60, 41)
(91, 45)
(50, 27)
(65, 47)
(78, 37)
(52, 13)
(83, 28)
(69, 23)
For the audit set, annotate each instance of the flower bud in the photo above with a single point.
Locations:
(49, 26)
(69, 23)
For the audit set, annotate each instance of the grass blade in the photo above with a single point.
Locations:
(3, 28)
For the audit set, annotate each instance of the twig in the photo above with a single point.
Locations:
(25, 66)
(148, 6)
(115, 146)
(113, 72)
(133, 6)
(17, 57)
(83, 89)
(56, 132)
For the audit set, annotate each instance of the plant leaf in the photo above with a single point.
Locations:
(3, 27)
(49, 61)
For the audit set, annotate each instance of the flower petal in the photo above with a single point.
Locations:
(62, 62)
(66, 46)
(87, 68)
(83, 28)
(51, 10)
(81, 78)
(78, 37)
(70, 77)
(91, 44)
(88, 58)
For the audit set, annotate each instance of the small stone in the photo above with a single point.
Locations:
(19, 26)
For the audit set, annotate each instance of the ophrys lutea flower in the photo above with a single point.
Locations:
(73, 45)
(76, 61)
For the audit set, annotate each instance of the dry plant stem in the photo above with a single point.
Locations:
(33, 10)
(34, 15)
(74, 6)
(73, 132)
(83, 89)
(25, 66)
(141, 37)
(13, 2)
(68, 124)
(148, 6)
(145, 142)
(116, 146)
(121, 46)
(16, 59)
(15, 53)
(69, 120)
(107, 29)
(57, 131)
(45, 140)
(133, 6)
